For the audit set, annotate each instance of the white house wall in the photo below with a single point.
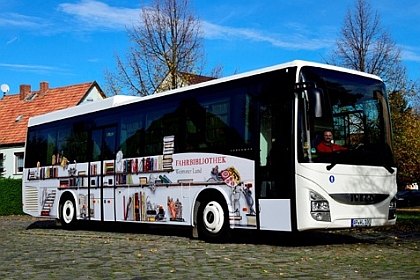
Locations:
(93, 95)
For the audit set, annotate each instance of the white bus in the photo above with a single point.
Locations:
(236, 152)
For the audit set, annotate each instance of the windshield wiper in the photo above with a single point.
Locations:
(331, 166)
(389, 168)
(333, 160)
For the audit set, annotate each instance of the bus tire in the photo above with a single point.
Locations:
(68, 214)
(213, 220)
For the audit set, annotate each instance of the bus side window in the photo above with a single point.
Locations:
(194, 127)
(132, 135)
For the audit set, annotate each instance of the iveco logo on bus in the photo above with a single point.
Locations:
(363, 198)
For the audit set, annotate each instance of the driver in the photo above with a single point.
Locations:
(326, 146)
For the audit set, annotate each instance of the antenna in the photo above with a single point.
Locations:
(5, 89)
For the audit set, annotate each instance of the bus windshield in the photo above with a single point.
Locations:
(355, 116)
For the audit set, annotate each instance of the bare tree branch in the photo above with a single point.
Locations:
(166, 41)
(364, 45)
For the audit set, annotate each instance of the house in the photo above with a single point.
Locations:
(183, 79)
(16, 109)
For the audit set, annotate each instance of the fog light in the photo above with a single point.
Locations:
(321, 216)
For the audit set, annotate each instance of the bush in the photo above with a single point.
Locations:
(11, 196)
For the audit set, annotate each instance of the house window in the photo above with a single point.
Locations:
(18, 163)
(1, 163)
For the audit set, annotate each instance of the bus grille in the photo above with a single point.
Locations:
(359, 198)
(31, 199)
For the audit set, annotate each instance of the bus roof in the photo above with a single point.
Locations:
(120, 100)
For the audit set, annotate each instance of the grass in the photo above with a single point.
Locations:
(408, 221)
(408, 216)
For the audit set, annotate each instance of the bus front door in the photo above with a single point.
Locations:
(273, 172)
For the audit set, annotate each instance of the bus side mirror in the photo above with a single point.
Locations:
(316, 102)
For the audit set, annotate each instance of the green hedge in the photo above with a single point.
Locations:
(10, 196)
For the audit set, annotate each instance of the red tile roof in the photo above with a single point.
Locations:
(13, 130)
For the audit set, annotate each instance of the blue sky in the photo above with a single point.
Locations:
(73, 41)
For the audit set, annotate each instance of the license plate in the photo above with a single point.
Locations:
(361, 222)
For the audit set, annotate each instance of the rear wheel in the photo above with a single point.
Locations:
(68, 213)
(213, 221)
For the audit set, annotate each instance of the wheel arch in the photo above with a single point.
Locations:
(203, 195)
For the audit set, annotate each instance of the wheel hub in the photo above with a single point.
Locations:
(214, 217)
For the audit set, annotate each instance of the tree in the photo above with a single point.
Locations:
(166, 43)
(406, 132)
(365, 46)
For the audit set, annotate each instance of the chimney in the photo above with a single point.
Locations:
(43, 87)
(24, 91)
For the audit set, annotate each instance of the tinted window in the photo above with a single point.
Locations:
(356, 113)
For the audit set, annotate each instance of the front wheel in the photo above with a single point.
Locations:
(213, 221)
(68, 213)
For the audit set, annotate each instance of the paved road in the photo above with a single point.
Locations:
(38, 249)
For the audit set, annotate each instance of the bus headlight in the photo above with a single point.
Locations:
(320, 208)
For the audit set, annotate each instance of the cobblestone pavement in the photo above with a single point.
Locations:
(38, 249)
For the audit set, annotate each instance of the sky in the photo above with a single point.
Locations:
(73, 41)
